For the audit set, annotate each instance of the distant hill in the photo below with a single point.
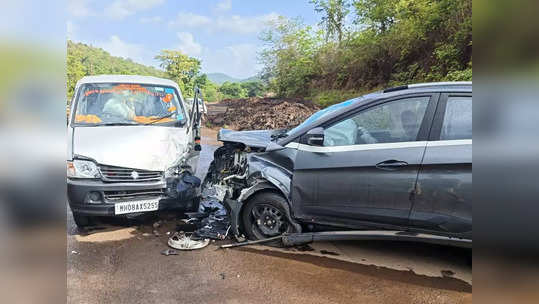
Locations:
(83, 60)
(220, 78)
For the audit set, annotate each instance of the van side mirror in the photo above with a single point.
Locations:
(315, 137)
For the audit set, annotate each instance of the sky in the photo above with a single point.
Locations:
(223, 34)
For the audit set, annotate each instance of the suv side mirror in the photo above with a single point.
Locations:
(315, 137)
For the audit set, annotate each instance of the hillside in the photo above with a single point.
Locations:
(221, 78)
(84, 60)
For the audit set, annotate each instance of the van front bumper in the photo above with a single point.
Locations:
(79, 191)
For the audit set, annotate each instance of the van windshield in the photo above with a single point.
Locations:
(127, 103)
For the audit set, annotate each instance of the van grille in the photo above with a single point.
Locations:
(133, 194)
(119, 174)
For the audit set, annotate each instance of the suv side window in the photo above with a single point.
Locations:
(395, 121)
(457, 123)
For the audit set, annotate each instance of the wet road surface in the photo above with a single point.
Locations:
(120, 262)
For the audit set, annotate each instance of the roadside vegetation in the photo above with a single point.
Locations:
(362, 45)
(83, 60)
(357, 47)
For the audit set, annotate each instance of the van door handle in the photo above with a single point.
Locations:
(391, 164)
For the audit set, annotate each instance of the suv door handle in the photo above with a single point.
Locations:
(391, 164)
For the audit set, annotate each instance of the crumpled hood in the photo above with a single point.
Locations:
(152, 148)
(257, 139)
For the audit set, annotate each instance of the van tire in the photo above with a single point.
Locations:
(82, 221)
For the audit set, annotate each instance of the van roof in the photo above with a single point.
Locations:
(127, 79)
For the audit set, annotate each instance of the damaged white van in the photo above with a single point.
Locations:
(133, 147)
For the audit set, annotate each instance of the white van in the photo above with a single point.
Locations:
(133, 147)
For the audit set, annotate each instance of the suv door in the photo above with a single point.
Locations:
(368, 166)
(443, 200)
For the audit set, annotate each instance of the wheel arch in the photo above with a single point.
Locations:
(265, 186)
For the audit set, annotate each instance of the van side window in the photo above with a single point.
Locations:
(457, 122)
(395, 121)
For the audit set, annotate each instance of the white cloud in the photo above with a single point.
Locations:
(244, 25)
(190, 20)
(71, 29)
(117, 47)
(79, 8)
(188, 45)
(154, 19)
(223, 23)
(120, 9)
(224, 5)
(235, 60)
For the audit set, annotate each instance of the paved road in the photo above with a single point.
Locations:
(121, 263)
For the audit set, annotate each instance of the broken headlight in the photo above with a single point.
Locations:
(82, 169)
(171, 172)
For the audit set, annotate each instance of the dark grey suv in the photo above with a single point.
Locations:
(398, 160)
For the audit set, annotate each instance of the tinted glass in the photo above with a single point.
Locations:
(457, 122)
(396, 121)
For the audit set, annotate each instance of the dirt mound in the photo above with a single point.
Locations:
(260, 113)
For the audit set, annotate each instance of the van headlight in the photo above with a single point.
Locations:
(82, 169)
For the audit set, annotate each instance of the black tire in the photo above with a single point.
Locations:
(82, 221)
(265, 216)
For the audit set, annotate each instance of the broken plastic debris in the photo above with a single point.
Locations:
(184, 241)
(168, 252)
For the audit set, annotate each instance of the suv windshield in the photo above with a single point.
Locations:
(127, 103)
(330, 110)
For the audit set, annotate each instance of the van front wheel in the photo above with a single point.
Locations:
(82, 220)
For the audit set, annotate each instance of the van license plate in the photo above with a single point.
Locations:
(136, 206)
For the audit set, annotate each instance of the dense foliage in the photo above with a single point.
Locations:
(83, 60)
(241, 89)
(389, 42)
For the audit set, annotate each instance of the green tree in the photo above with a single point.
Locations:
(181, 68)
(232, 90)
(253, 88)
(83, 60)
(289, 57)
(333, 20)
(377, 14)
(395, 42)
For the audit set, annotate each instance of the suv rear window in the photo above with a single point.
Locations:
(457, 122)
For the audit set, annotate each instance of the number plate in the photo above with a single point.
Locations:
(136, 206)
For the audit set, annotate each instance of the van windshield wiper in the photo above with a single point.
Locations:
(160, 118)
(116, 124)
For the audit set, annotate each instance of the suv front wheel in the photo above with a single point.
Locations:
(265, 216)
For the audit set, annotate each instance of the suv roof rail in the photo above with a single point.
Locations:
(446, 83)
(427, 84)
(403, 87)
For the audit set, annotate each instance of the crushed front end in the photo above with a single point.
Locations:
(126, 191)
(242, 167)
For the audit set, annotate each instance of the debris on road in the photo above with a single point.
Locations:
(157, 224)
(186, 241)
(275, 238)
(168, 252)
(261, 113)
